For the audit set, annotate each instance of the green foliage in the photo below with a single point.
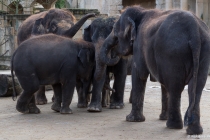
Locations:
(60, 4)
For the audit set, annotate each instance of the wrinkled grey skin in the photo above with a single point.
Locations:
(97, 32)
(62, 63)
(55, 21)
(173, 47)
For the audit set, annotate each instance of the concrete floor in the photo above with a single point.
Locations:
(110, 124)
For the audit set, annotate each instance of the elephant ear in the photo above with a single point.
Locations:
(38, 27)
(87, 35)
(132, 28)
(84, 57)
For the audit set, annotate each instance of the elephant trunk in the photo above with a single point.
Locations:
(73, 30)
(108, 44)
(100, 67)
(102, 58)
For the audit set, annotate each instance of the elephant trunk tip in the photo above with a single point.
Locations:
(110, 61)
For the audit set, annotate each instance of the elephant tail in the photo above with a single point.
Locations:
(195, 46)
(13, 81)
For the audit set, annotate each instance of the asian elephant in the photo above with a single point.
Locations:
(57, 21)
(51, 60)
(173, 47)
(96, 33)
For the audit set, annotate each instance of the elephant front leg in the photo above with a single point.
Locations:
(40, 96)
(138, 90)
(118, 95)
(81, 99)
(83, 92)
(57, 97)
(164, 110)
(95, 104)
(120, 73)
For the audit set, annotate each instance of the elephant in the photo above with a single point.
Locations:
(173, 47)
(57, 21)
(62, 62)
(96, 33)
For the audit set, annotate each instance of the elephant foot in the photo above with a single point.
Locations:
(163, 116)
(82, 105)
(94, 108)
(194, 129)
(116, 106)
(65, 110)
(135, 117)
(40, 99)
(22, 107)
(41, 102)
(174, 124)
(56, 107)
(104, 104)
(33, 109)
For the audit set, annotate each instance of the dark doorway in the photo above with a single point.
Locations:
(143, 3)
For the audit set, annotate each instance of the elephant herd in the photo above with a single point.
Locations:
(172, 47)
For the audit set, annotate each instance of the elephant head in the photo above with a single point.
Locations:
(61, 22)
(55, 21)
(123, 34)
(96, 33)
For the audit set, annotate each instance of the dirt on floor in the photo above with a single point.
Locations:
(109, 124)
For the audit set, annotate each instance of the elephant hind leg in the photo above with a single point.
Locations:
(67, 94)
(33, 109)
(174, 89)
(26, 100)
(164, 110)
(194, 126)
(57, 97)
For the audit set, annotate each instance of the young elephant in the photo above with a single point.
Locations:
(97, 32)
(51, 60)
(173, 47)
(56, 21)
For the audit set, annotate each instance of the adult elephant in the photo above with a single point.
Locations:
(55, 21)
(173, 46)
(96, 33)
